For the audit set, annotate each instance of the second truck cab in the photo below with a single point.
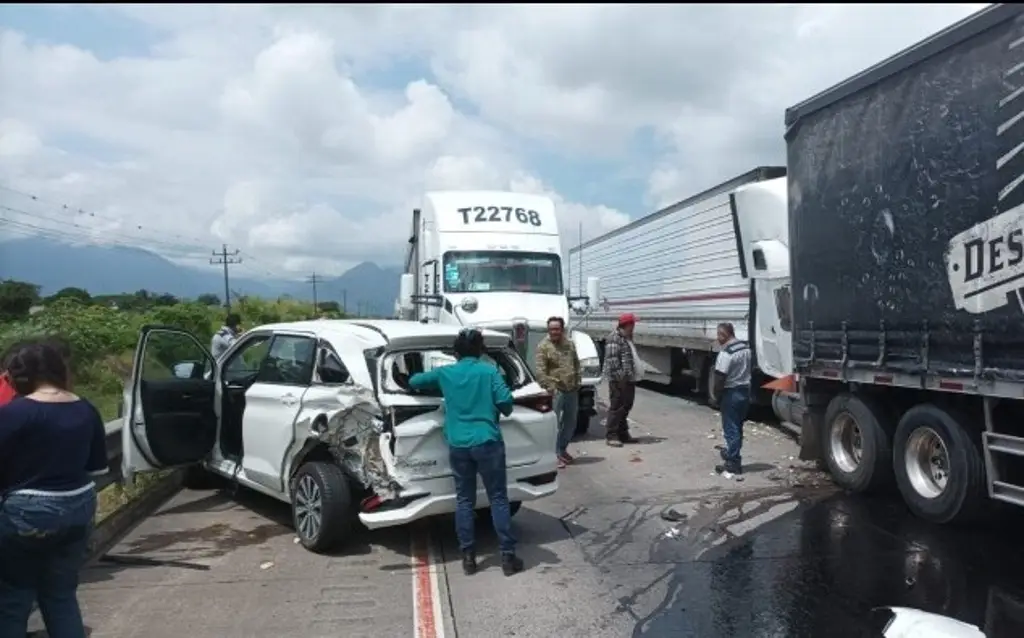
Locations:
(493, 259)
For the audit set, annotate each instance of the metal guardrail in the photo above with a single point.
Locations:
(113, 455)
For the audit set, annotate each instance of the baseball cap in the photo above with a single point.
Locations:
(627, 319)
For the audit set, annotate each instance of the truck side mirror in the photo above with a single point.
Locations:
(406, 286)
(593, 291)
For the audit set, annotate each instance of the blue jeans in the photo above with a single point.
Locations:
(567, 405)
(734, 405)
(487, 460)
(44, 541)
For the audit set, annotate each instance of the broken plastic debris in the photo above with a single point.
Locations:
(267, 565)
(296, 540)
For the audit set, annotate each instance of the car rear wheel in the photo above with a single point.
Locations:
(322, 506)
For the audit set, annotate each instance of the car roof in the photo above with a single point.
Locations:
(373, 332)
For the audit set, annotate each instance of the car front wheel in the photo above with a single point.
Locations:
(322, 508)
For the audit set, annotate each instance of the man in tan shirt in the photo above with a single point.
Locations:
(558, 371)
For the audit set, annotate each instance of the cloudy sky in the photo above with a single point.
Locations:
(304, 135)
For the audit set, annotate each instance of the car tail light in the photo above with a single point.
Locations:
(538, 402)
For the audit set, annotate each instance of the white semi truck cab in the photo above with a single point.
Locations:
(493, 259)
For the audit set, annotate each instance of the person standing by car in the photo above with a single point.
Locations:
(732, 391)
(474, 394)
(226, 336)
(52, 444)
(622, 369)
(558, 371)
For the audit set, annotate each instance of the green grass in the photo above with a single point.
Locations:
(114, 497)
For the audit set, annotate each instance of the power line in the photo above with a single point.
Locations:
(313, 279)
(223, 257)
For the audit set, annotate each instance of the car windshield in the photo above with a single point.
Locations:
(502, 271)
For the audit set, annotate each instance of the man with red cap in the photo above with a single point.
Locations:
(622, 369)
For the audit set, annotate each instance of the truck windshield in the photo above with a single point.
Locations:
(502, 271)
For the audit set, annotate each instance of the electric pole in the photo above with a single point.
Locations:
(313, 279)
(344, 300)
(227, 259)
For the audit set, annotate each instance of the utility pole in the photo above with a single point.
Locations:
(313, 279)
(227, 259)
(344, 300)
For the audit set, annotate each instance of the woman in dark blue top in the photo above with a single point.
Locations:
(52, 444)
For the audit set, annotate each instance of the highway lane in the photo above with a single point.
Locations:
(779, 553)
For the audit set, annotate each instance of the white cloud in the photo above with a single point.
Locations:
(305, 134)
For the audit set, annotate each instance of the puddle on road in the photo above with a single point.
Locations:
(207, 542)
(796, 564)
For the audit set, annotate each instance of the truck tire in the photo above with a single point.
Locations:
(707, 381)
(322, 487)
(858, 443)
(939, 466)
(582, 422)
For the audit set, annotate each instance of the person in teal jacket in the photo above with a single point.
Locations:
(475, 395)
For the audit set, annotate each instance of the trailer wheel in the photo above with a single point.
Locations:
(939, 467)
(858, 443)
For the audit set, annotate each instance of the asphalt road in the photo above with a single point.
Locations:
(779, 553)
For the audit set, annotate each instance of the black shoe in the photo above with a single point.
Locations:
(628, 439)
(511, 564)
(468, 563)
(731, 468)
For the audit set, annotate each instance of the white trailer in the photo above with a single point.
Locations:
(685, 269)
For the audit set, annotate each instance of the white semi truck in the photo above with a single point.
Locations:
(719, 256)
(493, 259)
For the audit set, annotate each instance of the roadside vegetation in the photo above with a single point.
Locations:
(102, 332)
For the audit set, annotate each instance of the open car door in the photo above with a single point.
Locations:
(417, 441)
(169, 414)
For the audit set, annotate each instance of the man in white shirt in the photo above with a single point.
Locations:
(732, 391)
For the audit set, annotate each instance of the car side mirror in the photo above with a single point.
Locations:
(187, 369)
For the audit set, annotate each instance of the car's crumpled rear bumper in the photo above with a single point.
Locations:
(437, 495)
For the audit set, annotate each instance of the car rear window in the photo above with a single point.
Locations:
(508, 362)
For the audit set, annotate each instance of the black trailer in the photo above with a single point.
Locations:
(906, 204)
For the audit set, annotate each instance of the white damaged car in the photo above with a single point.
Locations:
(311, 414)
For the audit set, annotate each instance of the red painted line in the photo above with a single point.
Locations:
(426, 623)
(707, 296)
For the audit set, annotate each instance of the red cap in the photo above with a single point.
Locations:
(627, 319)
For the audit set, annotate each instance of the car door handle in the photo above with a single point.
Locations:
(289, 399)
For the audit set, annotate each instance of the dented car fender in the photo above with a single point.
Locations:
(346, 421)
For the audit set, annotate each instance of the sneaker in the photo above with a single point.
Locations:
(614, 443)
(561, 464)
(468, 563)
(568, 458)
(511, 564)
(729, 468)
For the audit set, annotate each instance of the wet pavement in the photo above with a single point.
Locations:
(780, 553)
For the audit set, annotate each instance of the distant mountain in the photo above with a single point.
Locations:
(110, 270)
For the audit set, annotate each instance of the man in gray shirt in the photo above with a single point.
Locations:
(226, 336)
(732, 391)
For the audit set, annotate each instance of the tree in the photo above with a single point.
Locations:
(77, 294)
(209, 299)
(329, 306)
(16, 299)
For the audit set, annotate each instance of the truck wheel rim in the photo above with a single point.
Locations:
(927, 462)
(308, 508)
(846, 443)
